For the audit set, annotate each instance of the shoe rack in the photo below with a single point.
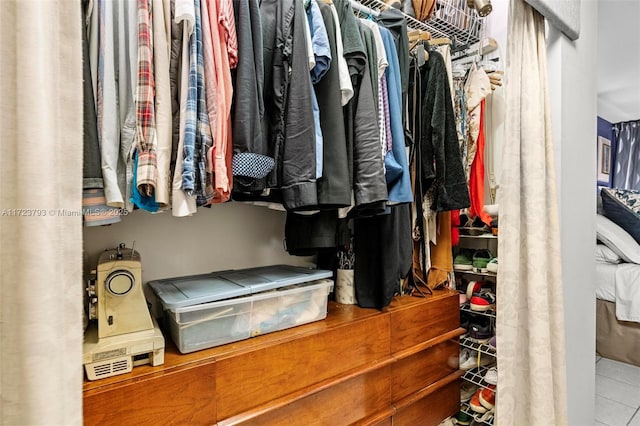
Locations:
(471, 243)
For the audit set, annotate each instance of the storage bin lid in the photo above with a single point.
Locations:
(195, 289)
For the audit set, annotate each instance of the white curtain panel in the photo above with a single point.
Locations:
(530, 317)
(40, 221)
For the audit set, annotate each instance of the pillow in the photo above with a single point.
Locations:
(622, 206)
(617, 240)
(605, 255)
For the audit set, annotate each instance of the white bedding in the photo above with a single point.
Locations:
(606, 281)
(620, 283)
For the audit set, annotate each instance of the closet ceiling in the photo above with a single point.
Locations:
(618, 60)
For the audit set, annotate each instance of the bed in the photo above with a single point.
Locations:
(617, 293)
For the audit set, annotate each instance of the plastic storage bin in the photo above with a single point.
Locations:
(207, 310)
(216, 323)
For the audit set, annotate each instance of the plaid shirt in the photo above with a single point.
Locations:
(204, 141)
(191, 113)
(147, 170)
(196, 180)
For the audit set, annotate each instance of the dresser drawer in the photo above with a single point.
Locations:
(417, 371)
(254, 378)
(433, 408)
(412, 324)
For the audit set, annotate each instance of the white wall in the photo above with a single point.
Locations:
(572, 79)
(618, 60)
(231, 235)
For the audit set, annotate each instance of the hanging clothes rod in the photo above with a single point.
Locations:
(364, 9)
(374, 7)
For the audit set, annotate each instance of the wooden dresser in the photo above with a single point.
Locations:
(357, 367)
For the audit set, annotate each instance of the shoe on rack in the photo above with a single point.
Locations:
(465, 320)
(487, 397)
(485, 418)
(467, 389)
(479, 332)
(463, 418)
(473, 287)
(483, 301)
(492, 266)
(473, 359)
(491, 376)
(480, 260)
(463, 357)
(463, 262)
(475, 403)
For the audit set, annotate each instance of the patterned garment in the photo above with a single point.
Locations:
(384, 94)
(191, 113)
(203, 141)
(381, 115)
(147, 169)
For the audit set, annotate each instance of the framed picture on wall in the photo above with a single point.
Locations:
(604, 161)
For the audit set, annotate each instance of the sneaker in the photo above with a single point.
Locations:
(474, 359)
(467, 389)
(463, 418)
(479, 332)
(487, 397)
(465, 320)
(482, 301)
(491, 376)
(463, 357)
(462, 262)
(475, 403)
(492, 266)
(485, 418)
(473, 287)
(480, 260)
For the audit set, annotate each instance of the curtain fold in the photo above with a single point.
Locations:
(626, 160)
(40, 213)
(530, 313)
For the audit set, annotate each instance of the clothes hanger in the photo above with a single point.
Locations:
(439, 41)
(417, 36)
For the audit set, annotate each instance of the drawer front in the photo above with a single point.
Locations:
(432, 409)
(342, 404)
(417, 371)
(418, 323)
(184, 397)
(255, 378)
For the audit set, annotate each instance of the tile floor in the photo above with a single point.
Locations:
(617, 393)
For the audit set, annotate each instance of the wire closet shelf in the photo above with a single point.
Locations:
(451, 18)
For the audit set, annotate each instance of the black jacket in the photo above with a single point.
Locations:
(288, 125)
(273, 116)
(441, 161)
(248, 106)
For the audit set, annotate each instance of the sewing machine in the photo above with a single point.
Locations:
(121, 333)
